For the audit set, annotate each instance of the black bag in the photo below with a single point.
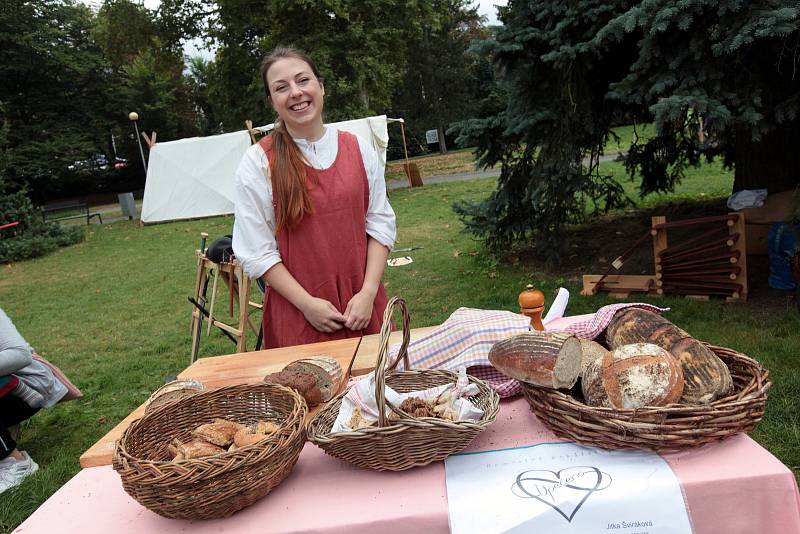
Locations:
(221, 249)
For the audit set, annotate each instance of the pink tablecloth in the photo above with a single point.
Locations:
(734, 486)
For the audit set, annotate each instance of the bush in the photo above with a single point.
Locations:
(34, 237)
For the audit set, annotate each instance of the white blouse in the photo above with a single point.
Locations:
(254, 240)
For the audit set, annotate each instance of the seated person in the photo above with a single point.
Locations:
(26, 386)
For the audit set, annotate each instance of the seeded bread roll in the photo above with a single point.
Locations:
(304, 383)
(325, 369)
(220, 432)
(194, 449)
(547, 359)
(707, 377)
(633, 376)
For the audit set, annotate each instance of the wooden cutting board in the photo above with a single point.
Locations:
(229, 370)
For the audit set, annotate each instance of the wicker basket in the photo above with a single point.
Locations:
(408, 441)
(659, 429)
(214, 486)
(172, 392)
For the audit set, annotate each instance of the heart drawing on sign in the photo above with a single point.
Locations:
(565, 490)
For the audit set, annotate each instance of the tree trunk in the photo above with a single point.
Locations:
(442, 142)
(773, 163)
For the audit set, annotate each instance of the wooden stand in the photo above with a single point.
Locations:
(711, 262)
(241, 288)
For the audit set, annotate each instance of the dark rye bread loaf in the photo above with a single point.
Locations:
(304, 383)
(547, 359)
(706, 377)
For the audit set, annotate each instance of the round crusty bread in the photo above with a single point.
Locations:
(325, 369)
(633, 376)
(706, 376)
(590, 352)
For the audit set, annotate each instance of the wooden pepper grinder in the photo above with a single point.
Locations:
(531, 302)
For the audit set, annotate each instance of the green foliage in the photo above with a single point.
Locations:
(34, 237)
(439, 85)
(570, 69)
(550, 122)
(66, 89)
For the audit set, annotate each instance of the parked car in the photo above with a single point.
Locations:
(98, 162)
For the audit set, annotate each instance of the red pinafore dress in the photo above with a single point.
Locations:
(327, 251)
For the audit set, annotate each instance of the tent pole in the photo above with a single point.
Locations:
(405, 152)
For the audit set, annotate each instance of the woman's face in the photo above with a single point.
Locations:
(296, 96)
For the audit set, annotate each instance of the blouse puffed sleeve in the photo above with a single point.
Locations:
(254, 242)
(381, 222)
(15, 353)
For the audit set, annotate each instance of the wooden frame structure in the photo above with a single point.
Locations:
(239, 289)
(711, 262)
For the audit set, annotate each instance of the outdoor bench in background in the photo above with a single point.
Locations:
(73, 209)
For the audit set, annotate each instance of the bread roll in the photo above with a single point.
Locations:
(547, 359)
(706, 376)
(633, 376)
(325, 369)
(194, 449)
(220, 432)
(244, 437)
(304, 383)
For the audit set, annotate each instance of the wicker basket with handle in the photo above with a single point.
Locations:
(219, 485)
(407, 441)
(659, 428)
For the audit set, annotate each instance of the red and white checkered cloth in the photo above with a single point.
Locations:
(465, 338)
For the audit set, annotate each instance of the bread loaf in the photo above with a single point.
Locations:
(546, 359)
(706, 376)
(325, 369)
(304, 383)
(590, 352)
(633, 376)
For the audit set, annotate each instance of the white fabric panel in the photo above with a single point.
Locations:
(194, 177)
(372, 129)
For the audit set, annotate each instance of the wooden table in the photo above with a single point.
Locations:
(232, 369)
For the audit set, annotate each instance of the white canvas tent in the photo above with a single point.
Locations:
(194, 177)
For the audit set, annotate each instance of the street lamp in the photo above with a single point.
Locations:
(134, 117)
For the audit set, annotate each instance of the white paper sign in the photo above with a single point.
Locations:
(564, 488)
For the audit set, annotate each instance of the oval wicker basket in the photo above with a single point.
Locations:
(214, 486)
(171, 392)
(407, 441)
(659, 428)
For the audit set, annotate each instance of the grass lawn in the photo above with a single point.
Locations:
(112, 313)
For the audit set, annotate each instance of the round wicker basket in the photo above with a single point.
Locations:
(659, 428)
(408, 441)
(214, 486)
(171, 392)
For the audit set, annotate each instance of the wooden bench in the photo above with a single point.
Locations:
(59, 211)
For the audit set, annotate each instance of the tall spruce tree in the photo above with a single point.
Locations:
(571, 68)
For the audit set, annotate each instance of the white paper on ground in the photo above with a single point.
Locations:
(564, 488)
(398, 262)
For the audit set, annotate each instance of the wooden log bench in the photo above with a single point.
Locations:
(73, 209)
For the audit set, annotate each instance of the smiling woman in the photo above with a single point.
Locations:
(312, 217)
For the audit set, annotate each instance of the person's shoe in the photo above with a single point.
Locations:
(13, 471)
